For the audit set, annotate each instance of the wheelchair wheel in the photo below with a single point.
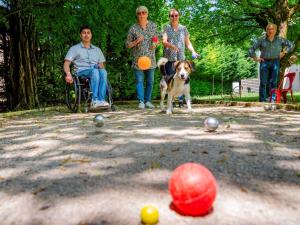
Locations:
(73, 95)
(109, 93)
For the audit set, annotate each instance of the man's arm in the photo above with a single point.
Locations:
(68, 77)
(251, 52)
(288, 47)
(101, 59)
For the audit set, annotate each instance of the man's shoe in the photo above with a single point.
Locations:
(95, 104)
(149, 105)
(103, 104)
(141, 105)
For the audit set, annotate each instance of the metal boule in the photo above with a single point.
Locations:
(99, 120)
(211, 124)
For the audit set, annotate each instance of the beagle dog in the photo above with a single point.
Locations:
(176, 84)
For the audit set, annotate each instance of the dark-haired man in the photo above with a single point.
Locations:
(88, 61)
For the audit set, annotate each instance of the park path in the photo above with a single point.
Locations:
(58, 168)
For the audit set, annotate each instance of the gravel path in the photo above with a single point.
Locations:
(58, 168)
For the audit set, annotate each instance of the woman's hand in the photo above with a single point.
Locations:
(139, 40)
(174, 48)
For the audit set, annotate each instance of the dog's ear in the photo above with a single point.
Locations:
(191, 65)
(176, 64)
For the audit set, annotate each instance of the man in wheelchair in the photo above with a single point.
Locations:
(88, 61)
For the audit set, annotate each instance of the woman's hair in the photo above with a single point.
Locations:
(171, 10)
(141, 8)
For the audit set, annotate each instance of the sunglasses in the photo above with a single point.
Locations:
(174, 15)
(142, 13)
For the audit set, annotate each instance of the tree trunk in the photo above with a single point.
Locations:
(282, 13)
(23, 71)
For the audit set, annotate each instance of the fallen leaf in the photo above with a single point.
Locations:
(98, 173)
(224, 159)
(161, 155)
(45, 207)
(175, 149)
(66, 160)
(155, 165)
(83, 160)
(38, 191)
(83, 172)
(244, 190)
(252, 154)
(70, 160)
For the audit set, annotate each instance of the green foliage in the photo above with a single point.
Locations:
(221, 62)
(220, 30)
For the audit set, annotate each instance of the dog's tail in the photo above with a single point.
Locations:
(161, 65)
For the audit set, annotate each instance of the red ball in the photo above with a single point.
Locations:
(193, 189)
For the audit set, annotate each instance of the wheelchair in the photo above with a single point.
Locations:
(79, 94)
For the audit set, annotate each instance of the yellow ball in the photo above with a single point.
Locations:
(149, 215)
(144, 62)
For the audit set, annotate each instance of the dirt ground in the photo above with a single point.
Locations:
(58, 168)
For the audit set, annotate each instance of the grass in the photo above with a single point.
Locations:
(245, 97)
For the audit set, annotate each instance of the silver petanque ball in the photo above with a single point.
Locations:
(267, 107)
(211, 124)
(273, 107)
(99, 120)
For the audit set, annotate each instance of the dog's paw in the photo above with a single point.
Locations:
(190, 111)
(169, 112)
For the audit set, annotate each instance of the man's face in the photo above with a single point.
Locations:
(174, 16)
(271, 31)
(86, 35)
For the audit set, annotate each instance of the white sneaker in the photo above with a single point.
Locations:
(99, 104)
(103, 104)
(149, 105)
(141, 105)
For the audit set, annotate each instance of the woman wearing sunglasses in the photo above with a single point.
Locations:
(175, 38)
(140, 40)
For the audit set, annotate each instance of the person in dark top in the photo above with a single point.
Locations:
(272, 49)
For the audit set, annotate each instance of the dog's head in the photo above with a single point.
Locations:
(183, 69)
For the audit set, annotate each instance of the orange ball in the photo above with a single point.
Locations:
(144, 62)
